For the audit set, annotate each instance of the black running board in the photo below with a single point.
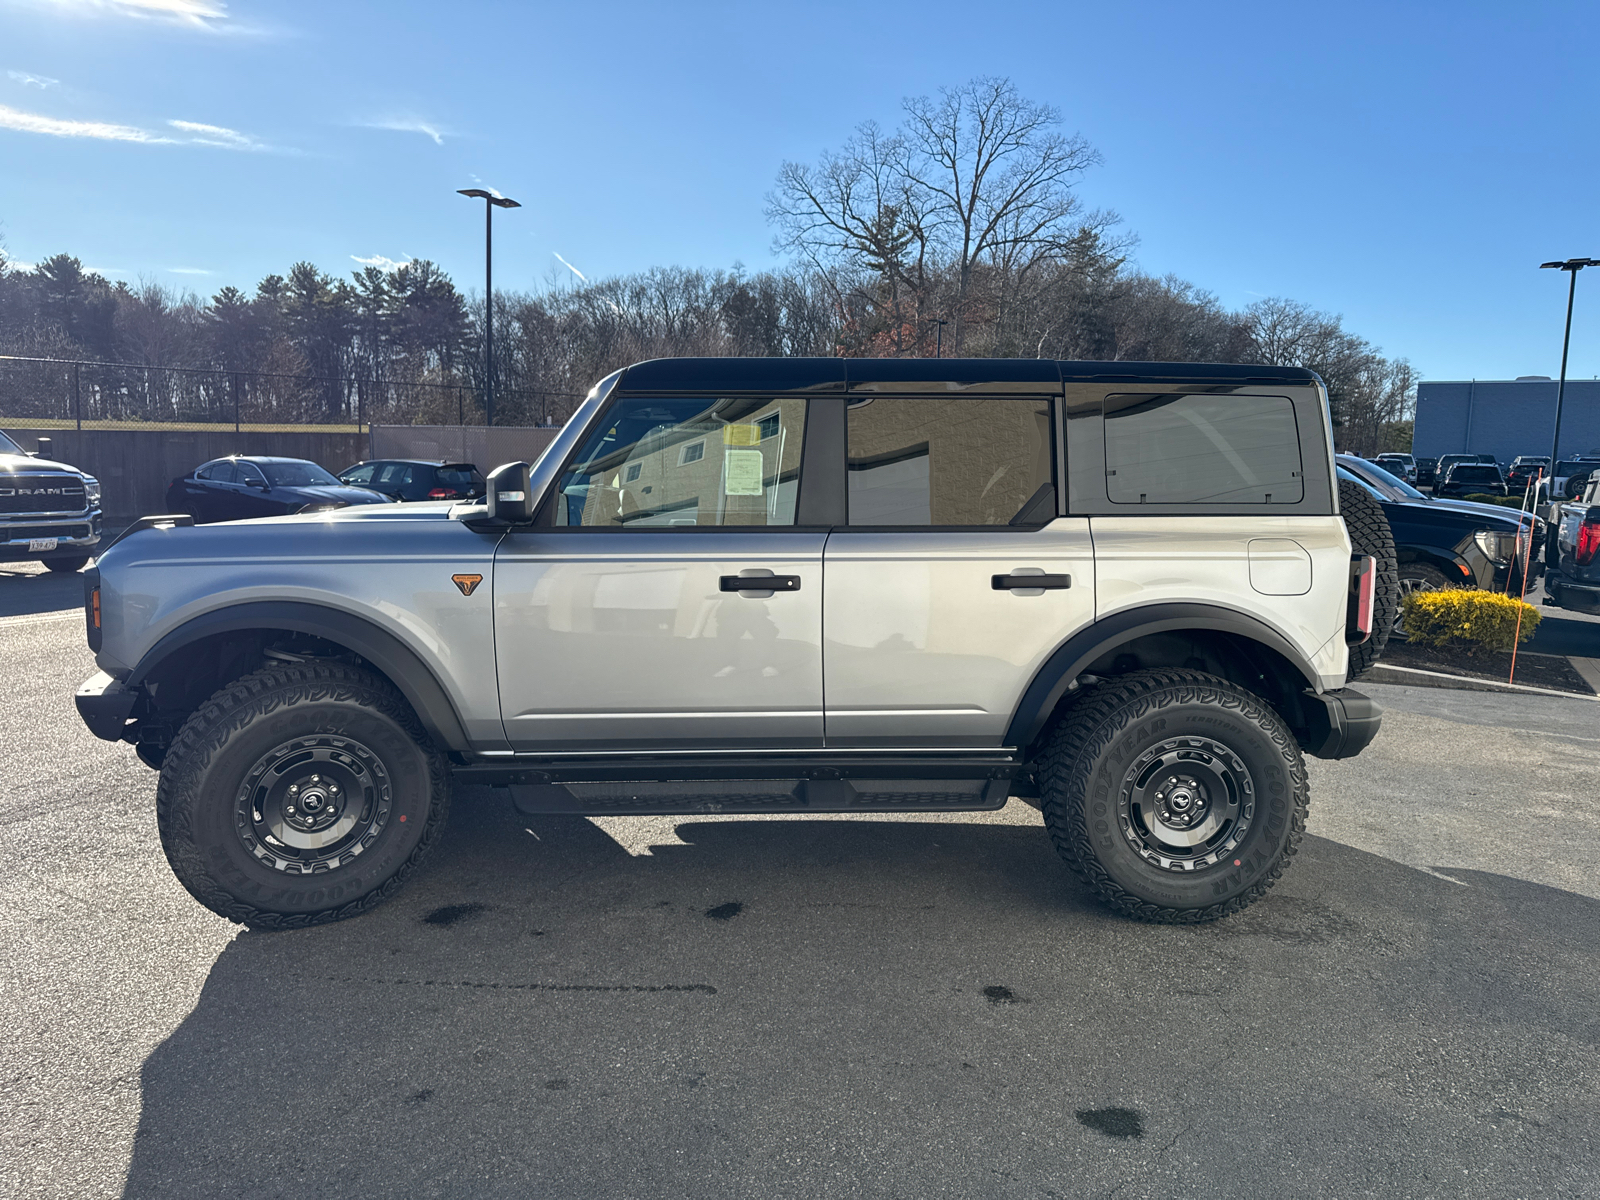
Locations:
(690, 797)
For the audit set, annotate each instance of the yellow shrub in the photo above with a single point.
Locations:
(1471, 619)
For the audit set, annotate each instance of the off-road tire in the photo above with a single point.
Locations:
(1083, 776)
(1370, 534)
(205, 780)
(66, 566)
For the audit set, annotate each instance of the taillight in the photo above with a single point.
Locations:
(442, 494)
(1588, 539)
(1363, 597)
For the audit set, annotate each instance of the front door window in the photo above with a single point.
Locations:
(687, 463)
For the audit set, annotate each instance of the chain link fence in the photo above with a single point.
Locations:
(45, 393)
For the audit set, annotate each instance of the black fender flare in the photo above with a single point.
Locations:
(1053, 680)
(1448, 559)
(387, 653)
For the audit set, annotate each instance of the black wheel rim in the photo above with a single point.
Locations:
(313, 804)
(1186, 803)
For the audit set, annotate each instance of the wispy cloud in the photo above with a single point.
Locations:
(378, 260)
(28, 79)
(190, 271)
(194, 132)
(570, 267)
(105, 131)
(216, 135)
(493, 191)
(428, 129)
(210, 15)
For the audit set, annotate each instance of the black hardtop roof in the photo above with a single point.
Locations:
(835, 374)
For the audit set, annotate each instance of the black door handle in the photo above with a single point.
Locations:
(760, 583)
(1007, 583)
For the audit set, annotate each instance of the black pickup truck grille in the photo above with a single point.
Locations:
(20, 533)
(41, 494)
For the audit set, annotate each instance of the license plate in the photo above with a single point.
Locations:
(35, 545)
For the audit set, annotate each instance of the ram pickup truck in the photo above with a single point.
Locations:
(1124, 592)
(1572, 570)
(49, 512)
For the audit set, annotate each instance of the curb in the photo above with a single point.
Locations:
(1414, 677)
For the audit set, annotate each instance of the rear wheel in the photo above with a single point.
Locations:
(1370, 534)
(300, 794)
(1177, 796)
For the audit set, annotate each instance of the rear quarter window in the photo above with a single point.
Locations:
(1180, 448)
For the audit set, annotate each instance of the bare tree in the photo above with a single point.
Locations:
(978, 181)
(994, 178)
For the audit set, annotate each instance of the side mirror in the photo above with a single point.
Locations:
(46, 448)
(509, 494)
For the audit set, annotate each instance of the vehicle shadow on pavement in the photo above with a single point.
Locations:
(27, 589)
(883, 1008)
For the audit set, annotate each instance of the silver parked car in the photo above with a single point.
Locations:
(1125, 592)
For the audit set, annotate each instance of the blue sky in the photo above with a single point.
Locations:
(1404, 165)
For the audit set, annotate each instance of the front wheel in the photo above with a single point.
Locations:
(300, 794)
(66, 566)
(1177, 796)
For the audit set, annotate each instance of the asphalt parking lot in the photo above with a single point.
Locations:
(872, 1007)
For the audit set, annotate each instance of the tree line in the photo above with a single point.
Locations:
(961, 230)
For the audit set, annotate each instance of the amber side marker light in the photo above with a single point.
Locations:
(94, 606)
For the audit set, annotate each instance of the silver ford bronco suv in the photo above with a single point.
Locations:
(1123, 592)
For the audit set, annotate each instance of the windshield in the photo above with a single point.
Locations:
(297, 474)
(1346, 473)
(7, 446)
(1381, 481)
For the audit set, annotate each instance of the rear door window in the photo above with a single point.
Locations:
(949, 461)
(1202, 449)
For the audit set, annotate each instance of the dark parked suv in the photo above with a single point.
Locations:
(1472, 479)
(416, 479)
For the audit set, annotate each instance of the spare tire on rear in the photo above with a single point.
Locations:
(1370, 534)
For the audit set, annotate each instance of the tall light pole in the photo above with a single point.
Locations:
(1572, 266)
(492, 202)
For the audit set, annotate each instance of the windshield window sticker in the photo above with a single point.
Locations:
(742, 434)
(742, 472)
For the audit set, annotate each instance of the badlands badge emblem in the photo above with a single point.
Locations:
(467, 583)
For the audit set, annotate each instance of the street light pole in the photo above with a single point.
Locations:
(492, 201)
(938, 342)
(1572, 266)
